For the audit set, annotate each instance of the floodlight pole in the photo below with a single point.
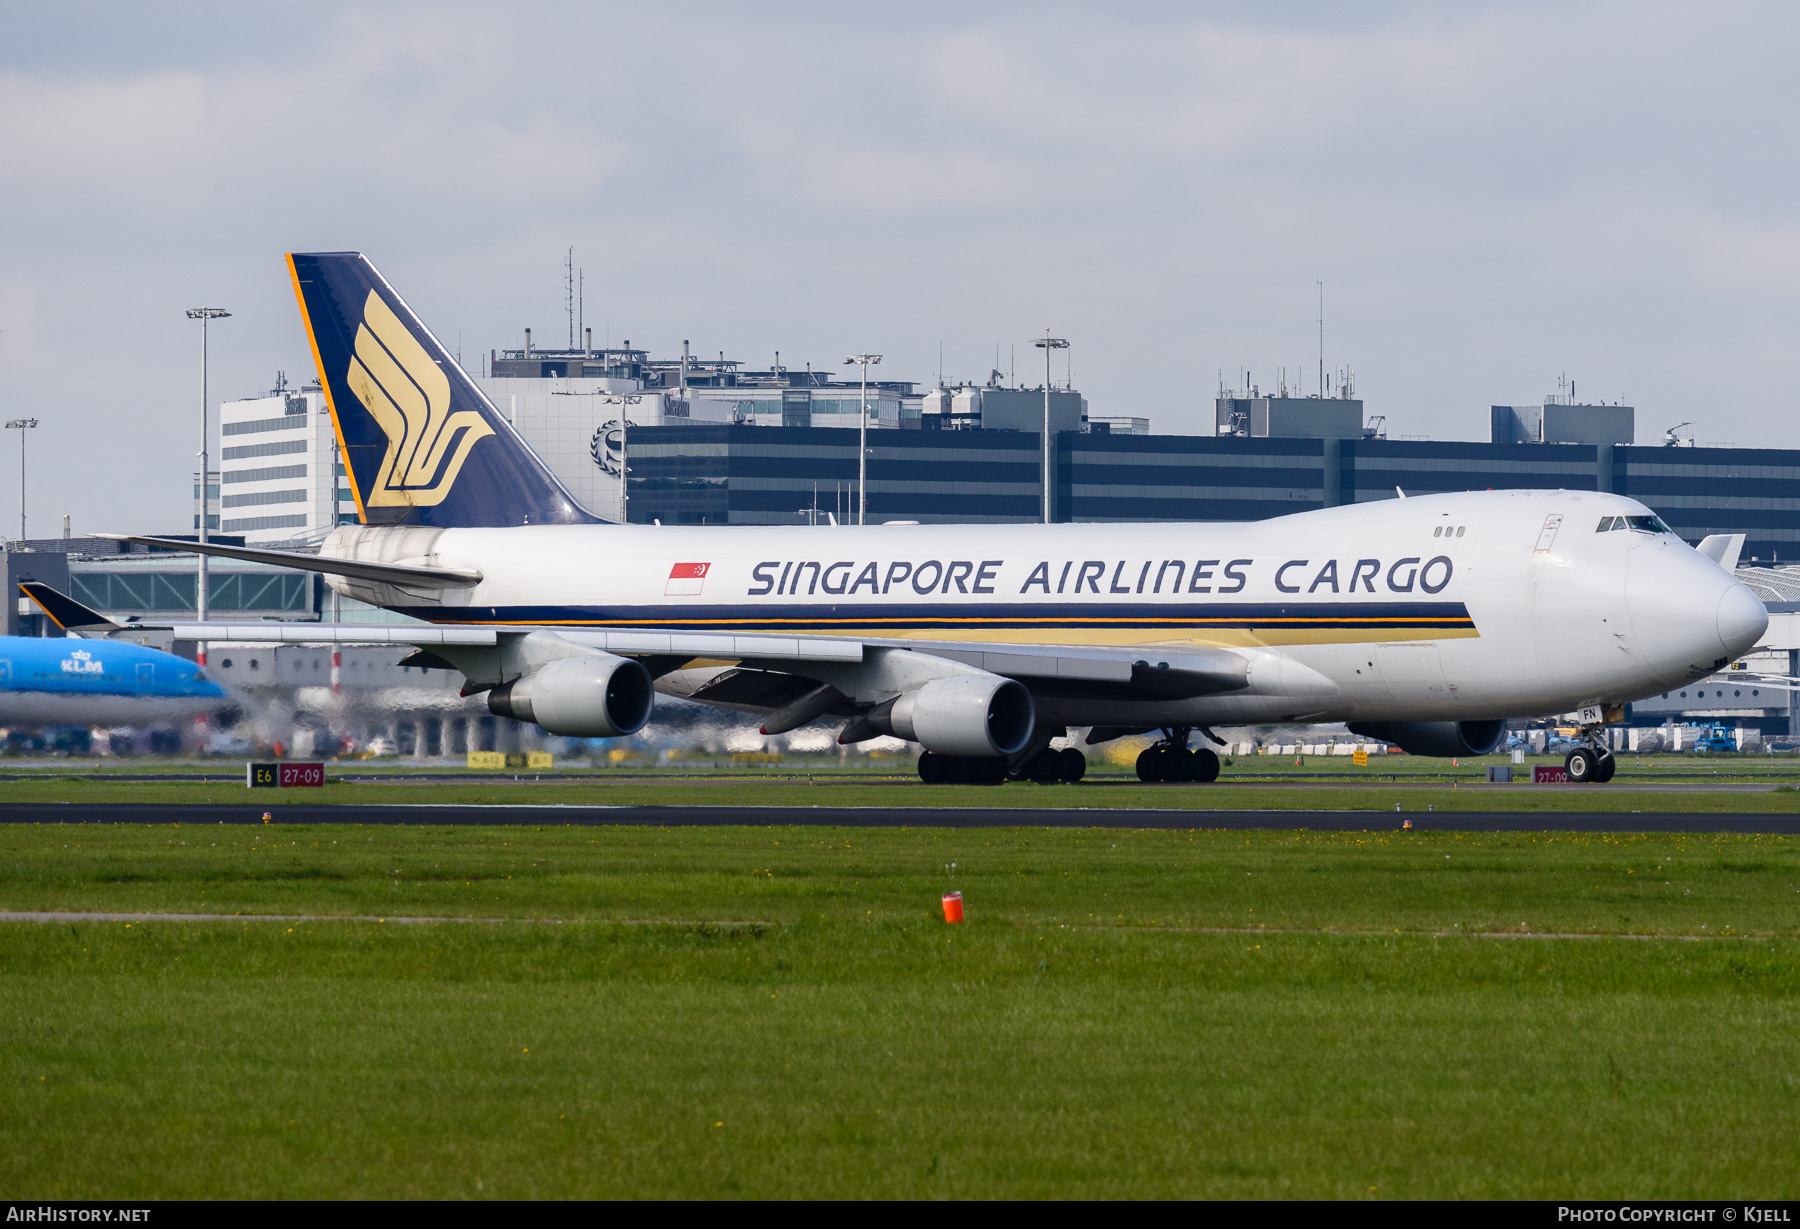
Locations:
(1047, 344)
(205, 315)
(22, 425)
(862, 436)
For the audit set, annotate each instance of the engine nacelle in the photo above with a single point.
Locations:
(594, 696)
(969, 714)
(1439, 738)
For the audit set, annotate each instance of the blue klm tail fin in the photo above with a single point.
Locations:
(421, 445)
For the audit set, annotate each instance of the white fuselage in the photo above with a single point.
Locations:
(1448, 607)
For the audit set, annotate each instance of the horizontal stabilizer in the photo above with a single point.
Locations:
(384, 573)
(65, 611)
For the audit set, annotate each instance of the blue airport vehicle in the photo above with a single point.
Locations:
(78, 681)
(1717, 738)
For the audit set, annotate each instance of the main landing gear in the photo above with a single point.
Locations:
(935, 769)
(1593, 764)
(1046, 767)
(1049, 766)
(1170, 760)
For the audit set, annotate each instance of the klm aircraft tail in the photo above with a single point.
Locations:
(421, 445)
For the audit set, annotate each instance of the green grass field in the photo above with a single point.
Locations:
(1775, 768)
(862, 790)
(782, 1012)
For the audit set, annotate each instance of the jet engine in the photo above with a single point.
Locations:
(1439, 738)
(968, 714)
(593, 696)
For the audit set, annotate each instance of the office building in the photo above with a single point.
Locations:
(1251, 415)
(994, 407)
(578, 408)
(279, 475)
(733, 474)
(1563, 422)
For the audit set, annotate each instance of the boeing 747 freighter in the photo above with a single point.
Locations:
(1428, 622)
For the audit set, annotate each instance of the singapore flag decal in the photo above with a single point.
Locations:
(685, 579)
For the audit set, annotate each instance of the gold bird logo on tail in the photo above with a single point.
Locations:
(409, 396)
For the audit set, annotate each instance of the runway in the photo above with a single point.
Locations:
(905, 817)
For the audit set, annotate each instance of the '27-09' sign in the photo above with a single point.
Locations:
(283, 775)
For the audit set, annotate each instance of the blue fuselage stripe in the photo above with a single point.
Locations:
(830, 619)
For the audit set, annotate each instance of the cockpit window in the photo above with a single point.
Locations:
(1648, 524)
(1609, 523)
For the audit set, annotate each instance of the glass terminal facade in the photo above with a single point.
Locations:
(720, 474)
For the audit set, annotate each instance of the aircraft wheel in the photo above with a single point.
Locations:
(933, 770)
(1072, 763)
(1206, 765)
(1608, 764)
(1178, 764)
(990, 771)
(1581, 765)
(1150, 764)
(1045, 767)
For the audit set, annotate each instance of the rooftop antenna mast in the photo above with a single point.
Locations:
(1321, 336)
(569, 293)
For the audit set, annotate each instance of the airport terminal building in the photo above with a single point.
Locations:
(717, 443)
(721, 473)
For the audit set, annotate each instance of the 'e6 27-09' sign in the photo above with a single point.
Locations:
(281, 776)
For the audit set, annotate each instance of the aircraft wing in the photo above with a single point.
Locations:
(747, 670)
(686, 645)
(1158, 671)
(754, 671)
(1063, 670)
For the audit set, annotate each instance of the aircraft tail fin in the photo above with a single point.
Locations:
(65, 611)
(421, 444)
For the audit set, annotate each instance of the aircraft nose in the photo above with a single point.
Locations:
(1742, 620)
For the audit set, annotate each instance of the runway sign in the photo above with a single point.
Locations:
(282, 775)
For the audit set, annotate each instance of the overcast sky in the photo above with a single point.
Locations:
(1495, 195)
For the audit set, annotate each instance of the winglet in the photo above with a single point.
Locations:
(65, 611)
(1723, 549)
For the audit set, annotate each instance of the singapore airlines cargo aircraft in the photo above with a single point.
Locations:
(1426, 622)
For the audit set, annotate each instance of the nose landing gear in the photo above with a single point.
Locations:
(1170, 760)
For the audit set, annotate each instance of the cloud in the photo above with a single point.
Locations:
(381, 117)
(1493, 193)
